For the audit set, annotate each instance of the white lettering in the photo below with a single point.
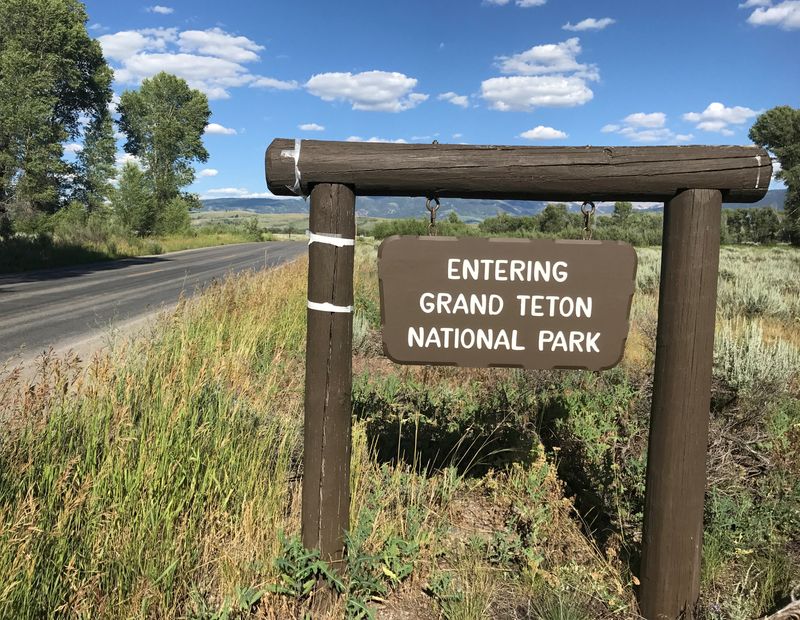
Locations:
(504, 270)
(553, 305)
(467, 344)
(415, 338)
(433, 339)
(573, 342)
(502, 340)
(457, 338)
(485, 338)
(452, 270)
(560, 271)
(496, 304)
(473, 303)
(500, 270)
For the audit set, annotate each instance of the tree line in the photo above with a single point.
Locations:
(744, 225)
(55, 89)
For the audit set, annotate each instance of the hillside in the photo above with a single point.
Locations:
(403, 207)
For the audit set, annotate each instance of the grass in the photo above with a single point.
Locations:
(45, 251)
(278, 223)
(164, 481)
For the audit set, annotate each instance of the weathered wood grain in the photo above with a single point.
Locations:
(676, 460)
(328, 383)
(650, 173)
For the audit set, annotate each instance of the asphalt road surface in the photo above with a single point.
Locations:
(53, 308)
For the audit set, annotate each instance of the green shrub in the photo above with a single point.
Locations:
(749, 364)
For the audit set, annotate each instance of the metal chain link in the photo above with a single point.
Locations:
(588, 215)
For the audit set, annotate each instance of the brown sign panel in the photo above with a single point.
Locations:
(529, 303)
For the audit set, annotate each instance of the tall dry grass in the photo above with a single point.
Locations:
(159, 482)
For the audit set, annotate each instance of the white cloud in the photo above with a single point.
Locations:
(456, 136)
(541, 132)
(717, 117)
(544, 76)
(311, 127)
(376, 139)
(123, 158)
(266, 82)
(590, 23)
(218, 43)
(239, 192)
(377, 91)
(228, 192)
(647, 127)
(749, 4)
(73, 148)
(161, 10)
(219, 130)
(523, 3)
(527, 92)
(455, 99)
(113, 104)
(785, 15)
(647, 135)
(644, 119)
(209, 60)
(775, 182)
(122, 45)
(548, 58)
(207, 172)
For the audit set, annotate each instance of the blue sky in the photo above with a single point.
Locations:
(536, 72)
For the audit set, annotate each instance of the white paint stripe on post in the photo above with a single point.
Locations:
(329, 239)
(329, 307)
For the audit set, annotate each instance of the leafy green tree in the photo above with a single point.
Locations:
(502, 223)
(554, 218)
(164, 122)
(96, 168)
(622, 211)
(737, 222)
(766, 225)
(174, 218)
(778, 130)
(52, 75)
(132, 202)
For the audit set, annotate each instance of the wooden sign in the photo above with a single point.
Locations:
(529, 303)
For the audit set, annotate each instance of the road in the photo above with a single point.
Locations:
(70, 305)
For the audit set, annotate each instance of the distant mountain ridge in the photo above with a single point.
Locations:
(468, 210)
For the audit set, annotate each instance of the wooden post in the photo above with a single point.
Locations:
(328, 407)
(676, 461)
